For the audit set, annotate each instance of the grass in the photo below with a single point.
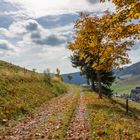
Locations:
(124, 88)
(21, 91)
(125, 84)
(134, 107)
(109, 120)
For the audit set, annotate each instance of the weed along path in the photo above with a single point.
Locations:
(79, 128)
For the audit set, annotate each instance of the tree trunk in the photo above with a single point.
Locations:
(92, 85)
(99, 84)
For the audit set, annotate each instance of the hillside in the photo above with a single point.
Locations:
(8, 66)
(22, 90)
(128, 79)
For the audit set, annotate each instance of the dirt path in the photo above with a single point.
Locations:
(79, 128)
(51, 123)
(65, 117)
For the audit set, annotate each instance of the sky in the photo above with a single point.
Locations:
(35, 33)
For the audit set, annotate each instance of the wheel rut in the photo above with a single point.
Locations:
(79, 127)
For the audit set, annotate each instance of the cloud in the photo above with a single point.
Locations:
(5, 45)
(32, 32)
(93, 1)
(137, 45)
(7, 7)
(6, 48)
(35, 35)
(5, 21)
(24, 26)
(46, 7)
(32, 26)
(55, 21)
(51, 40)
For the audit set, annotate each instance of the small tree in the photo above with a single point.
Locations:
(69, 77)
(47, 76)
(59, 75)
(34, 70)
(57, 72)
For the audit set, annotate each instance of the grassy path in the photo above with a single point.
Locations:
(79, 128)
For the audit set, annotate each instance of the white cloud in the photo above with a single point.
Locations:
(5, 45)
(49, 7)
(23, 26)
(6, 48)
(34, 55)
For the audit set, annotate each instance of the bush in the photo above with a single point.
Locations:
(47, 76)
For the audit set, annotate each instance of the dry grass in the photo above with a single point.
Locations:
(109, 120)
(21, 91)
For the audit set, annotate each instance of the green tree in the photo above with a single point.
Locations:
(107, 77)
(47, 76)
(59, 75)
(69, 77)
(57, 72)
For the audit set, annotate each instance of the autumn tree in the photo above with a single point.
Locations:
(96, 37)
(127, 11)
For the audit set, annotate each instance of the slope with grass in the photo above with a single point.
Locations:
(127, 79)
(109, 120)
(21, 91)
(126, 83)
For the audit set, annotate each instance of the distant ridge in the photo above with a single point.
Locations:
(76, 78)
(133, 70)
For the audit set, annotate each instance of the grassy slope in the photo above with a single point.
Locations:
(126, 84)
(109, 120)
(21, 91)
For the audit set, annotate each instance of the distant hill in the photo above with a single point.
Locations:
(127, 79)
(76, 78)
(130, 71)
(133, 70)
